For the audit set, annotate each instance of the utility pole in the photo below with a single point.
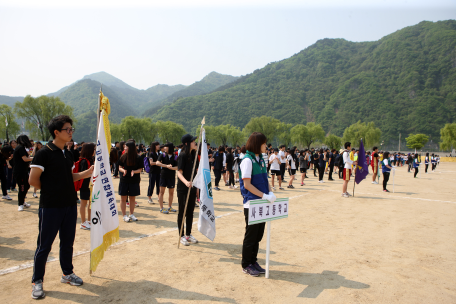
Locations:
(399, 142)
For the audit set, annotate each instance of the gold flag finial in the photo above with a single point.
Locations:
(203, 122)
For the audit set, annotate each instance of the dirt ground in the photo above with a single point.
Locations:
(375, 247)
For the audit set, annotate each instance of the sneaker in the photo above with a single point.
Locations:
(34, 195)
(133, 218)
(7, 197)
(164, 211)
(348, 194)
(85, 225)
(280, 188)
(128, 204)
(217, 188)
(184, 241)
(192, 239)
(20, 208)
(136, 204)
(345, 195)
(71, 279)
(235, 187)
(322, 181)
(251, 270)
(302, 184)
(26, 205)
(231, 187)
(273, 188)
(226, 184)
(126, 219)
(258, 267)
(170, 209)
(386, 190)
(150, 201)
(37, 290)
(9, 190)
(14, 190)
(78, 201)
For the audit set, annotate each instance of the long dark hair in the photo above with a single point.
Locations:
(24, 141)
(87, 150)
(113, 155)
(130, 156)
(153, 146)
(187, 150)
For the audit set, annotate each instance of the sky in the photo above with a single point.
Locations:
(48, 44)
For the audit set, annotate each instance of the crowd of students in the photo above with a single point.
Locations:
(61, 169)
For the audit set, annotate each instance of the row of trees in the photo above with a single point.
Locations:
(36, 113)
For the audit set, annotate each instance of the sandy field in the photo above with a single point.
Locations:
(374, 247)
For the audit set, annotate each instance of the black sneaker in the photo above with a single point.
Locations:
(258, 268)
(217, 188)
(251, 270)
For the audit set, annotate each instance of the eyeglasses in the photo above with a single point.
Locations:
(69, 130)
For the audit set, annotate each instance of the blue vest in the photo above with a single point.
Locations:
(384, 168)
(259, 178)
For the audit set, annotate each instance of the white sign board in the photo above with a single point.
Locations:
(261, 210)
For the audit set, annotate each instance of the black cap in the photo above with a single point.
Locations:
(187, 138)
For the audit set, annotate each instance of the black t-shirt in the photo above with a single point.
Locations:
(154, 168)
(83, 165)
(128, 179)
(57, 186)
(167, 160)
(21, 167)
(186, 165)
(76, 155)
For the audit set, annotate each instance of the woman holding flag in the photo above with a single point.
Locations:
(185, 163)
(254, 182)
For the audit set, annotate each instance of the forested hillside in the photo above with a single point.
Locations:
(405, 83)
(208, 84)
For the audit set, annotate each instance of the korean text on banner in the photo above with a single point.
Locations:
(261, 210)
(202, 181)
(104, 229)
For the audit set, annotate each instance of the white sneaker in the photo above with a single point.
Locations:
(184, 241)
(26, 205)
(7, 197)
(192, 239)
(375, 183)
(34, 195)
(345, 195)
(85, 225)
(133, 218)
(136, 204)
(235, 187)
(150, 201)
(348, 194)
(20, 208)
(126, 218)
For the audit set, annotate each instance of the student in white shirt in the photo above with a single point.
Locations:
(347, 168)
(291, 158)
(283, 161)
(275, 168)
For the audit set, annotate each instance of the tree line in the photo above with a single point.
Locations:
(36, 112)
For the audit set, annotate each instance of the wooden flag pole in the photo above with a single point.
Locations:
(354, 181)
(190, 188)
(268, 247)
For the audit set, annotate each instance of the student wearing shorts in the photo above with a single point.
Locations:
(348, 163)
(275, 168)
(87, 153)
(168, 165)
(291, 162)
(303, 165)
(130, 167)
(374, 164)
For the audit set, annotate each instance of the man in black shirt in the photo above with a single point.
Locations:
(52, 172)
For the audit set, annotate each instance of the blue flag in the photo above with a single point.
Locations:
(362, 168)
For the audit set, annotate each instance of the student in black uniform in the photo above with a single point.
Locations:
(51, 171)
(229, 167)
(87, 154)
(168, 165)
(22, 161)
(154, 172)
(5, 154)
(219, 165)
(185, 163)
(11, 182)
(130, 167)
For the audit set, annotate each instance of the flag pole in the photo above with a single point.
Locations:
(354, 181)
(90, 199)
(190, 188)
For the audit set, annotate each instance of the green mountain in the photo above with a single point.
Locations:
(83, 95)
(404, 82)
(10, 100)
(108, 80)
(208, 84)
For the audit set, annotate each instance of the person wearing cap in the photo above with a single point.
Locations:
(185, 163)
(168, 165)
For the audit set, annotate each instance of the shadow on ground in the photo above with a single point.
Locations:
(142, 291)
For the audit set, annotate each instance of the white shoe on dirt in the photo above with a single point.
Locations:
(85, 225)
(126, 219)
(34, 195)
(20, 208)
(192, 239)
(133, 218)
(26, 205)
(184, 241)
(7, 197)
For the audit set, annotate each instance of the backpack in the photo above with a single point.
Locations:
(78, 184)
(146, 164)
